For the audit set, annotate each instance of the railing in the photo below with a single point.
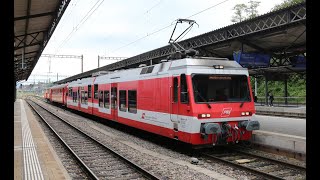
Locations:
(283, 101)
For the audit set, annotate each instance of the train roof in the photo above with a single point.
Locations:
(84, 82)
(194, 64)
(59, 86)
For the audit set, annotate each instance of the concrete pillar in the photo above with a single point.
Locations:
(81, 63)
(255, 87)
(266, 86)
(98, 61)
(285, 91)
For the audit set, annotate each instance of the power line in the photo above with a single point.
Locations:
(83, 20)
(167, 26)
(207, 8)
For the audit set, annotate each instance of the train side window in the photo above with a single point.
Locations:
(95, 91)
(82, 97)
(107, 99)
(100, 98)
(89, 91)
(113, 97)
(123, 100)
(184, 96)
(175, 89)
(75, 96)
(132, 101)
(86, 97)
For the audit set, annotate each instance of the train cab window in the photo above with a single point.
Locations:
(123, 100)
(95, 91)
(175, 89)
(100, 98)
(89, 91)
(214, 88)
(132, 101)
(184, 96)
(107, 99)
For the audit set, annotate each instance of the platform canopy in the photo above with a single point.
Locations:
(34, 24)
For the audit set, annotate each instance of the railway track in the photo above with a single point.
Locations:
(262, 166)
(97, 160)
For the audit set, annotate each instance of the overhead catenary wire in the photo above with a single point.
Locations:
(161, 29)
(83, 20)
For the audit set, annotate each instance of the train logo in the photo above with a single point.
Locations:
(226, 112)
(142, 116)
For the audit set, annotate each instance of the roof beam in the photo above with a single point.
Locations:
(33, 16)
(17, 55)
(30, 33)
(36, 43)
(53, 24)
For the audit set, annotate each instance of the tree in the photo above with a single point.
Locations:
(239, 9)
(286, 3)
(251, 10)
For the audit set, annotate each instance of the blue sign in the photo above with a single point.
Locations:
(252, 60)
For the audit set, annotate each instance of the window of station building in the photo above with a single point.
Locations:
(107, 99)
(123, 100)
(95, 91)
(100, 98)
(184, 96)
(89, 91)
(132, 101)
(175, 89)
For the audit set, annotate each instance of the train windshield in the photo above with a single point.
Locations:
(220, 88)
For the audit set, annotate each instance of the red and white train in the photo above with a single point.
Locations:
(200, 101)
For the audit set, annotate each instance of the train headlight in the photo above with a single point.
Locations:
(204, 115)
(246, 113)
(218, 66)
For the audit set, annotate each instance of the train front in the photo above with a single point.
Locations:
(222, 102)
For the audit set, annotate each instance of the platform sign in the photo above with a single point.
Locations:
(252, 60)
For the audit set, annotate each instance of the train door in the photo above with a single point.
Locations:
(78, 97)
(174, 103)
(114, 100)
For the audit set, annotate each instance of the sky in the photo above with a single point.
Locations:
(119, 28)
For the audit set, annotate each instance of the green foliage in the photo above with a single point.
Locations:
(239, 9)
(286, 3)
(251, 10)
(296, 86)
(243, 11)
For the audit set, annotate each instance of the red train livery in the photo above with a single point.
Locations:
(200, 101)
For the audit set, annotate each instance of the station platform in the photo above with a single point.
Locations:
(34, 157)
(290, 111)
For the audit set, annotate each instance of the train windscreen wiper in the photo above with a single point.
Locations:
(203, 99)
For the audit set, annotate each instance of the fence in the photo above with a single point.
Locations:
(283, 101)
